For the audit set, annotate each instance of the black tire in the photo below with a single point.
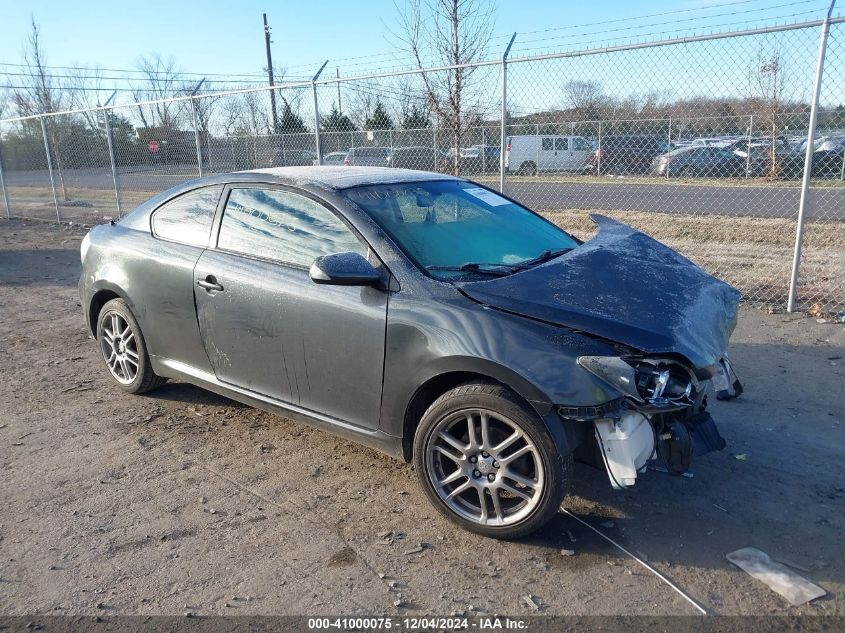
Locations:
(528, 168)
(495, 398)
(144, 379)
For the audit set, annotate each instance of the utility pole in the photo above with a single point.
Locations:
(270, 76)
(339, 104)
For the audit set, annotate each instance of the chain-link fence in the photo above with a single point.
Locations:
(700, 141)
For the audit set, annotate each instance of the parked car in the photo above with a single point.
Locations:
(367, 156)
(528, 155)
(790, 164)
(830, 143)
(759, 146)
(700, 160)
(625, 154)
(414, 157)
(716, 141)
(334, 158)
(293, 157)
(422, 315)
(480, 159)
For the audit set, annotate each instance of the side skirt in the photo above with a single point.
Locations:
(377, 439)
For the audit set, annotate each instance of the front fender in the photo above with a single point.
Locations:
(534, 359)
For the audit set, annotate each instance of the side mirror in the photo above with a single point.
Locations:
(344, 269)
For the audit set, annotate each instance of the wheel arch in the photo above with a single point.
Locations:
(455, 373)
(101, 296)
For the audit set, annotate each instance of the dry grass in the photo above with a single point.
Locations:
(753, 254)
(576, 178)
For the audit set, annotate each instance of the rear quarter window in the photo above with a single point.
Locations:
(187, 219)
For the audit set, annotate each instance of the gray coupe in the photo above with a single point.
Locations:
(424, 315)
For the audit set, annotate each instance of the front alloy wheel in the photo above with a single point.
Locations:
(484, 467)
(487, 462)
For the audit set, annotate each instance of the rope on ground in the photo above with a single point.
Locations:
(641, 562)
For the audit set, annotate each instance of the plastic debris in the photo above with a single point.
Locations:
(779, 578)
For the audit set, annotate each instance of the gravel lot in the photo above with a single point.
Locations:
(183, 501)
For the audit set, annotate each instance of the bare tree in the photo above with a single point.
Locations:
(447, 33)
(584, 97)
(40, 94)
(85, 90)
(5, 103)
(161, 80)
(769, 85)
(362, 100)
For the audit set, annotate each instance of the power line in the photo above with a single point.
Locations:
(653, 24)
(641, 17)
(138, 71)
(660, 33)
(133, 79)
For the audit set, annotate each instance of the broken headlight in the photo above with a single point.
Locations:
(651, 381)
(662, 382)
(614, 371)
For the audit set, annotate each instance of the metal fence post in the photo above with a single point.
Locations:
(434, 141)
(483, 151)
(197, 137)
(504, 131)
(317, 114)
(196, 126)
(3, 187)
(317, 146)
(50, 168)
(748, 148)
(669, 147)
(842, 170)
(598, 153)
(110, 142)
(808, 160)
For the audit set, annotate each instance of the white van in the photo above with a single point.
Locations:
(528, 154)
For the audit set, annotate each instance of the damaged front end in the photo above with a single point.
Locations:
(661, 415)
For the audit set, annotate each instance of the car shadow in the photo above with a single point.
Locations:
(191, 394)
(40, 267)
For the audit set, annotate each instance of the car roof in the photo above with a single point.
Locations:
(338, 177)
(325, 177)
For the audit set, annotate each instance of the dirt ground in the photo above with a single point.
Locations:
(184, 501)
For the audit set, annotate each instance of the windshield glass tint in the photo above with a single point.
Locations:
(452, 223)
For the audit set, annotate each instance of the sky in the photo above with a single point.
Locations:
(227, 37)
(224, 42)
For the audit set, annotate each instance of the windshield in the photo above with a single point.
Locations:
(450, 224)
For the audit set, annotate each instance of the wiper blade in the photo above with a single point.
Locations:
(542, 257)
(476, 267)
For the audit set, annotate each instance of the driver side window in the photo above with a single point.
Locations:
(283, 226)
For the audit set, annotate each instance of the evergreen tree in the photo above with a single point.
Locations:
(415, 119)
(380, 119)
(290, 122)
(337, 122)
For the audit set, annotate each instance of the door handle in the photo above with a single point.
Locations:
(209, 283)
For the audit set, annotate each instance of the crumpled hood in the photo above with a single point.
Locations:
(626, 287)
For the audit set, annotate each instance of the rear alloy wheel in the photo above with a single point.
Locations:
(123, 349)
(487, 462)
